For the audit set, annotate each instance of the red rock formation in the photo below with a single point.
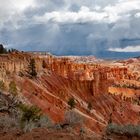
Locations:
(64, 78)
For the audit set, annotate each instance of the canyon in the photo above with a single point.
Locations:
(111, 86)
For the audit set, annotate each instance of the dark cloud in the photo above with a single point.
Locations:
(66, 27)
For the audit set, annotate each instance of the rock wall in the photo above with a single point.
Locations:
(99, 76)
(63, 78)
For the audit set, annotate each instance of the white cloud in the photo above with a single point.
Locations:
(83, 16)
(22, 4)
(126, 49)
(137, 15)
(13, 11)
(109, 14)
(97, 7)
(121, 9)
(123, 6)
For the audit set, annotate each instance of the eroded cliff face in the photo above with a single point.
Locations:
(62, 78)
(98, 76)
(92, 77)
(101, 76)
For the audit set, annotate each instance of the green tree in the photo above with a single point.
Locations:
(13, 88)
(32, 68)
(71, 103)
(89, 106)
(2, 49)
(43, 64)
(12, 50)
(30, 113)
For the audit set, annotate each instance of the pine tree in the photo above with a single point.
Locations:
(32, 68)
(89, 106)
(30, 113)
(2, 49)
(43, 64)
(71, 103)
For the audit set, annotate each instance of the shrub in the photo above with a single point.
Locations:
(57, 126)
(71, 103)
(82, 131)
(8, 123)
(8, 105)
(112, 128)
(124, 130)
(2, 85)
(19, 115)
(13, 88)
(89, 106)
(30, 113)
(73, 118)
(44, 121)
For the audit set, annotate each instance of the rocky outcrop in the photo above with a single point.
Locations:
(51, 93)
(18, 62)
(99, 76)
(61, 78)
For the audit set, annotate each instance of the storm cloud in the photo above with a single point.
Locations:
(69, 27)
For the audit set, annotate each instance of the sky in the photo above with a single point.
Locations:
(103, 28)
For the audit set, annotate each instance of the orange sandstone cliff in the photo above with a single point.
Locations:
(104, 85)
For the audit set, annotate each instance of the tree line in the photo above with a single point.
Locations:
(3, 50)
